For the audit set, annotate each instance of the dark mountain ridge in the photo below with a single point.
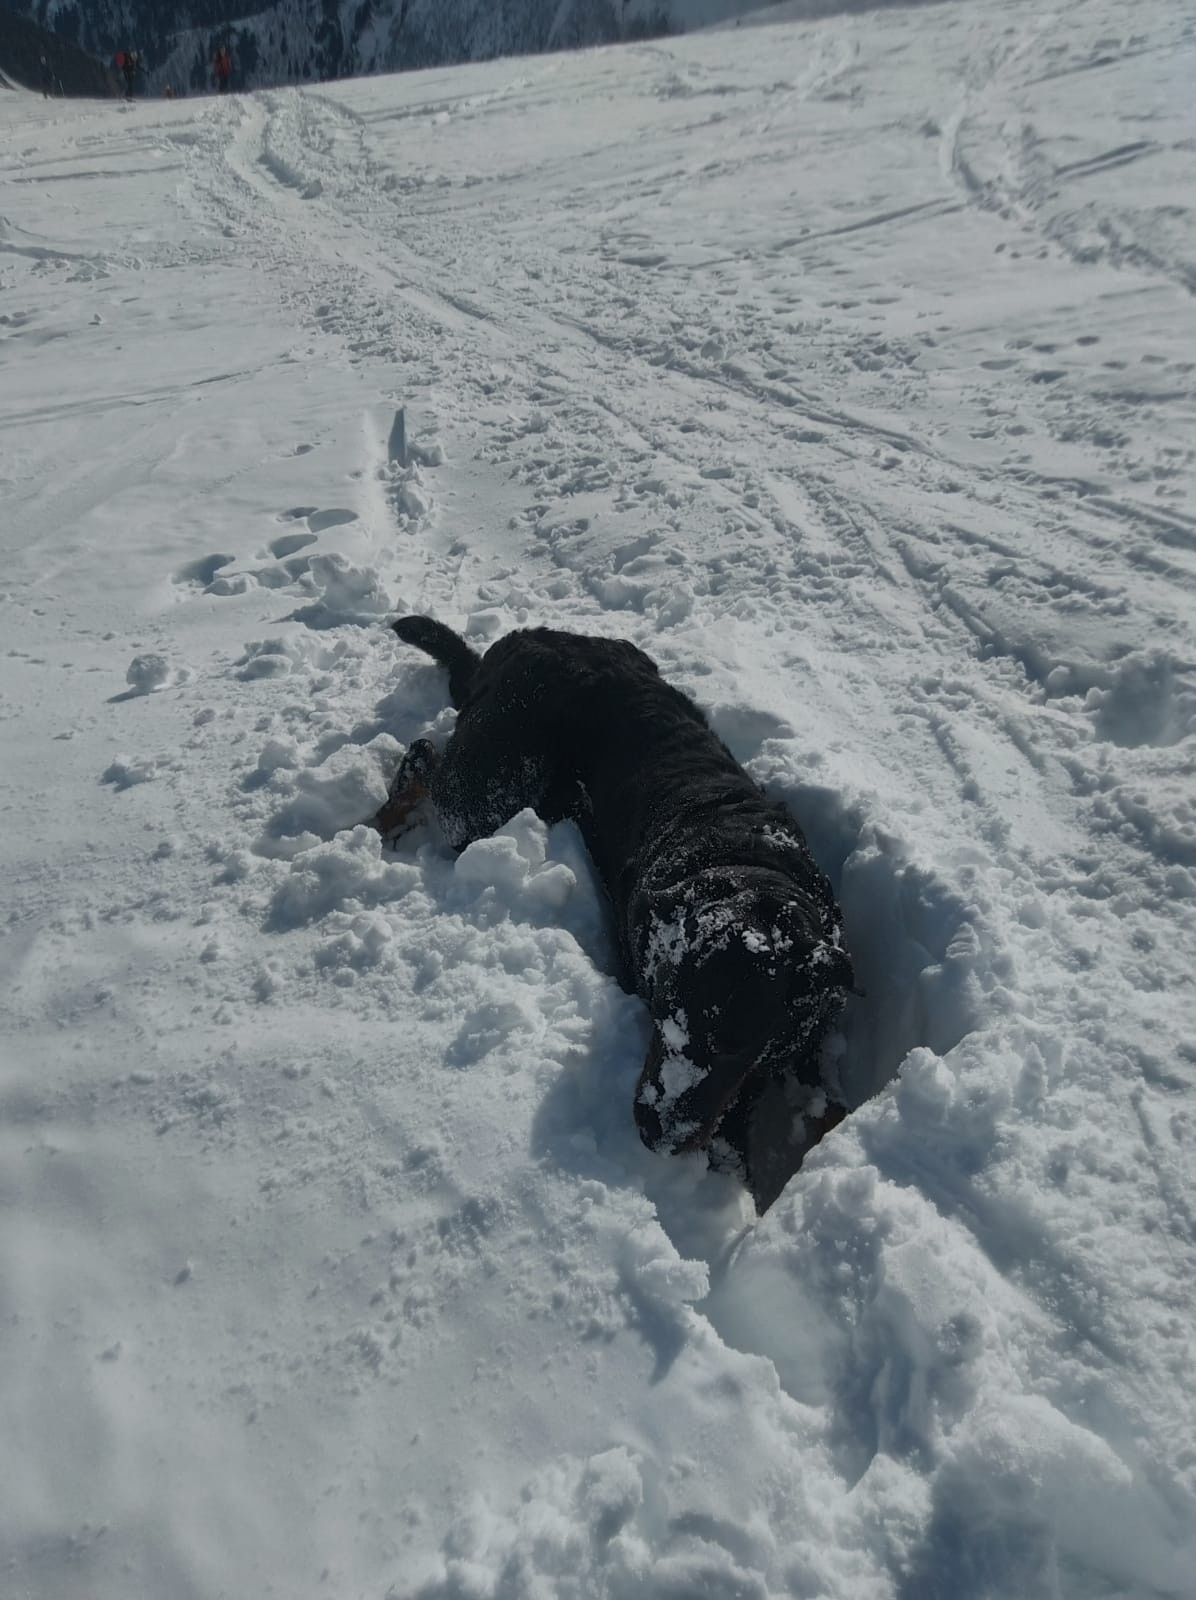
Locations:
(298, 41)
(23, 43)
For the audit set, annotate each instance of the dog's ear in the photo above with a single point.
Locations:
(817, 963)
(828, 966)
(841, 971)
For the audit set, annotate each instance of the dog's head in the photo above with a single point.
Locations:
(741, 983)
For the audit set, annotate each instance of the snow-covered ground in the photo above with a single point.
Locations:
(849, 368)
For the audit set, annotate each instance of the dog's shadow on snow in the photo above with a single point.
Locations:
(915, 946)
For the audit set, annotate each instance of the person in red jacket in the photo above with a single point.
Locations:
(222, 66)
(128, 64)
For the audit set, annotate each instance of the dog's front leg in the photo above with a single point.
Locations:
(408, 788)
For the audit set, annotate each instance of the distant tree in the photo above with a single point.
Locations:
(652, 25)
(66, 23)
(247, 55)
(588, 22)
(329, 41)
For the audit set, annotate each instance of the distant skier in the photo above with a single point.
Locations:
(222, 66)
(129, 64)
(47, 78)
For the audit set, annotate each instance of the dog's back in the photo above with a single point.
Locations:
(664, 799)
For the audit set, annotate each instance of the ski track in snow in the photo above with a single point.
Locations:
(850, 369)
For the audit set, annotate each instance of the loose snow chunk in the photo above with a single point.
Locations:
(489, 1026)
(611, 1491)
(348, 786)
(147, 673)
(513, 863)
(125, 771)
(1141, 700)
(410, 495)
(429, 455)
(236, 866)
(272, 658)
(345, 591)
(348, 869)
(654, 1270)
(276, 754)
(364, 941)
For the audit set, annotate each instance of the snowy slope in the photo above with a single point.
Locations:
(849, 368)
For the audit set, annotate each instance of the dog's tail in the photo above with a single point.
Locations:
(444, 646)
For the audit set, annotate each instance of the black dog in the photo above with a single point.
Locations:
(726, 928)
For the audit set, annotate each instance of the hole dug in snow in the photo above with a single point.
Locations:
(915, 946)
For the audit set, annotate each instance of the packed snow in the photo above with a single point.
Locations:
(847, 367)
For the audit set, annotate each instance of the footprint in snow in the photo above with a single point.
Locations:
(321, 521)
(201, 572)
(287, 565)
(289, 544)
